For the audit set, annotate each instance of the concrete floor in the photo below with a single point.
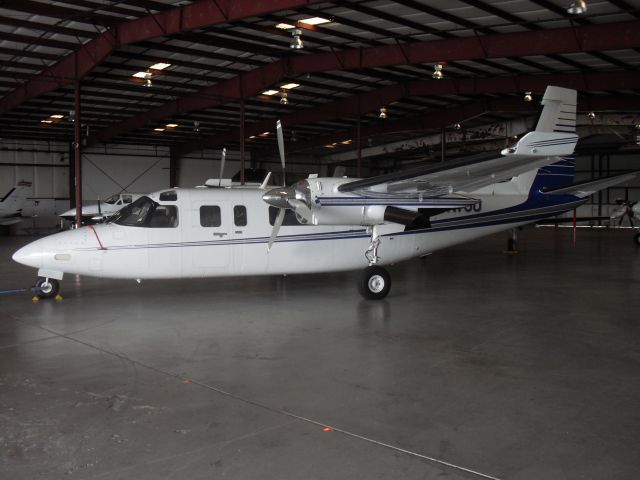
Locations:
(478, 365)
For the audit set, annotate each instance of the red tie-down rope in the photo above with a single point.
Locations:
(97, 238)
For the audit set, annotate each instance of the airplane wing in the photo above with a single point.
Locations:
(589, 187)
(464, 175)
(6, 221)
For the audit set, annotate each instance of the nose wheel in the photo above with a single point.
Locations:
(374, 283)
(47, 287)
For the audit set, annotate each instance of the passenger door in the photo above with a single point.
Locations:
(209, 250)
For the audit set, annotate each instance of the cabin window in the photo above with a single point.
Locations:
(290, 218)
(240, 216)
(210, 216)
(127, 198)
(144, 212)
(170, 196)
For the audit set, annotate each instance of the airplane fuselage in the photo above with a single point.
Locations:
(224, 232)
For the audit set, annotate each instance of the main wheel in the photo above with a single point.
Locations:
(637, 238)
(49, 287)
(374, 283)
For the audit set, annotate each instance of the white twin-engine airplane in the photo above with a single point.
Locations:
(328, 224)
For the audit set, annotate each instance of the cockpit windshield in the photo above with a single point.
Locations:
(112, 199)
(144, 212)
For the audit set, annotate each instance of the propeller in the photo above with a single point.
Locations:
(281, 149)
(281, 203)
(295, 197)
(222, 160)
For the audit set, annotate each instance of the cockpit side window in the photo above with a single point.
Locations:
(144, 212)
(127, 198)
(164, 216)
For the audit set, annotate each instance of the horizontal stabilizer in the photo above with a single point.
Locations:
(589, 187)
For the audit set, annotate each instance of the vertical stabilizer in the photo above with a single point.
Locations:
(555, 133)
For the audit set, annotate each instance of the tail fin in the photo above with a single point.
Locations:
(555, 133)
(15, 198)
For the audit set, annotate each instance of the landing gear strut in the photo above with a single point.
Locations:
(47, 287)
(374, 282)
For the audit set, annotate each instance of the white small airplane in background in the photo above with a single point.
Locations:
(103, 209)
(629, 209)
(329, 224)
(11, 204)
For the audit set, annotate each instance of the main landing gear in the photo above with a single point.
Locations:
(47, 287)
(374, 282)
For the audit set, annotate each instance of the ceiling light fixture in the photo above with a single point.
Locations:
(58, 116)
(269, 92)
(296, 41)
(196, 126)
(285, 26)
(528, 96)
(172, 125)
(457, 126)
(383, 113)
(314, 21)
(159, 129)
(159, 66)
(591, 115)
(283, 98)
(437, 71)
(289, 86)
(577, 8)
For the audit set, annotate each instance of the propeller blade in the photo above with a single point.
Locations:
(301, 209)
(276, 227)
(281, 149)
(99, 207)
(222, 160)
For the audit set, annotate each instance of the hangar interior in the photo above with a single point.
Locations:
(480, 365)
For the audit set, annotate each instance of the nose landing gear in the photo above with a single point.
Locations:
(47, 287)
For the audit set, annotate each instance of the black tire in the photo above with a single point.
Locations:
(374, 283)
(637, 239)
(47, 288)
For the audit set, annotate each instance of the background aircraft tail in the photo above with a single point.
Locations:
(14, 199)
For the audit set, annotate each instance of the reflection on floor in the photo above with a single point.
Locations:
(478, 365)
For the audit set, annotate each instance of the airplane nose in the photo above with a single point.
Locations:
(30, 255)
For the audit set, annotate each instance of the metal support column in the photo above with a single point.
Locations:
(174, 160)
(77, 147)
(359, 140)
(242, 164)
